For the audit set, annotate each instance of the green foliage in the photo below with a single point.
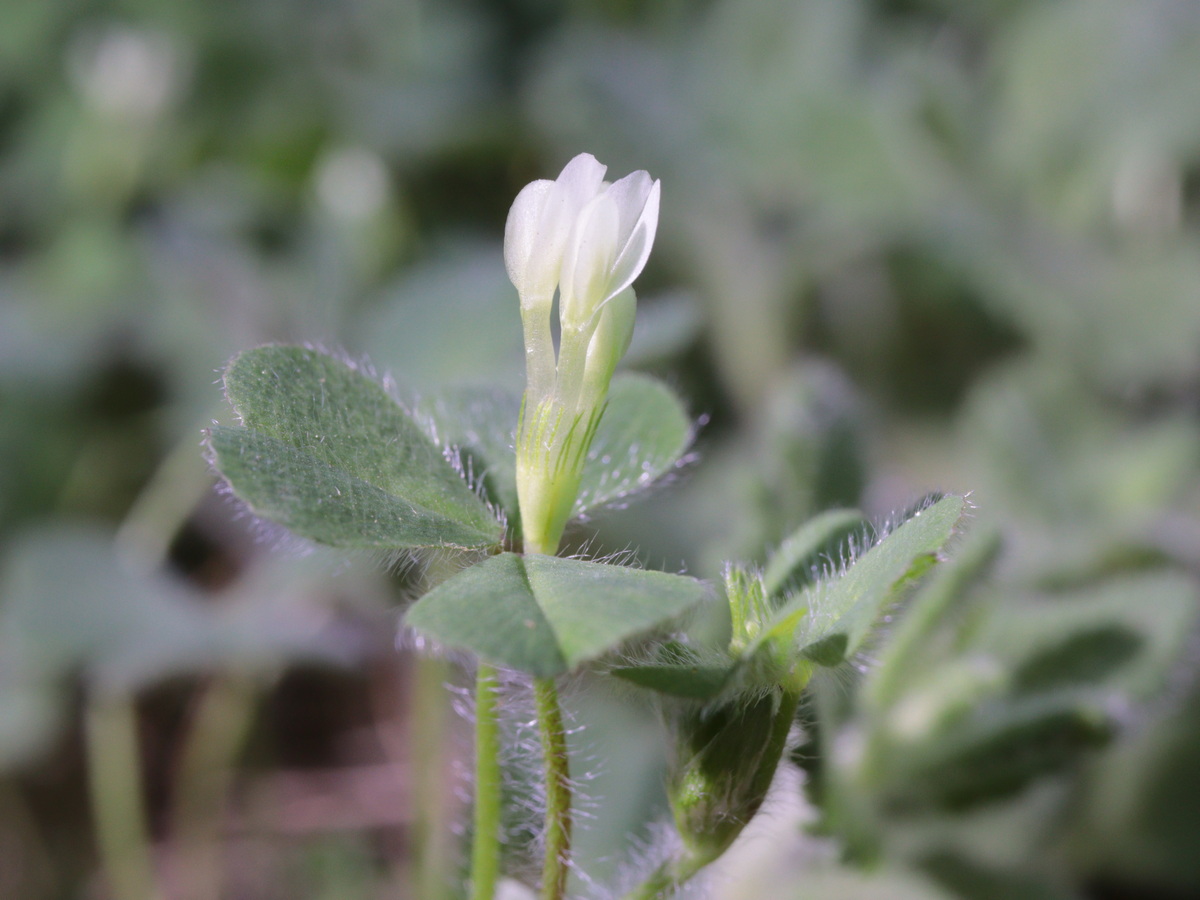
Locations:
(818, 544)
(329, 453)
(70, 606)
(841, 615)
(642, 435)
(965, 711)
(545, 615)
(680, 670)
(998, 751)
(922, 243)
(824, 623)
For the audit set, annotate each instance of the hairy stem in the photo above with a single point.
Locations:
(485, 850)
(118, 809)
(556, 863)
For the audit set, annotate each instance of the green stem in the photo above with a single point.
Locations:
(217, 734)
(485, 850)
(164, 504)
(555, 865)
(118, 811)
(433, 851)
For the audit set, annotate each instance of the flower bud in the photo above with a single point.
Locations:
(590, 240)
(725, 760)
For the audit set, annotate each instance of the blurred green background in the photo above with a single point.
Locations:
(906, 245)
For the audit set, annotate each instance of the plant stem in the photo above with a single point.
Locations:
(485, 849)
(218, 731)
(433, 851)
(555, 866)
(115, 784)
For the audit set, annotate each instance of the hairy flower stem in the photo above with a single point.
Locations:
(555, 866)
(485, 848)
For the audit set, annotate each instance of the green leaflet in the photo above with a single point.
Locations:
(545, 615)
(681, 671)
(822, 538)
(840, 614)
(327, 452)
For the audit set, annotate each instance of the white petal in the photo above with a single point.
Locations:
(639, 239)
(630, 193)
(580, 180)
(524, 233)
(588, 261)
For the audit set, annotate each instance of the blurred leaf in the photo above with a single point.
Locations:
(546, 615)
(31, 716)
(998, 751)
(327, 452)
(805, 881)
(452, 320)
(667, 325)
(71, 605)
(812, 456)
(481, 422)
(1086, 656)
(643, 433)
(972, 880)
(1126, 634)
(910, 642)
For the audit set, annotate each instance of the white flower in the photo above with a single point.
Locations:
(608, 247)
(589, 240)
(539, 224)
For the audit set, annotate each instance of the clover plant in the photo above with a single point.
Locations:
(491, 481)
